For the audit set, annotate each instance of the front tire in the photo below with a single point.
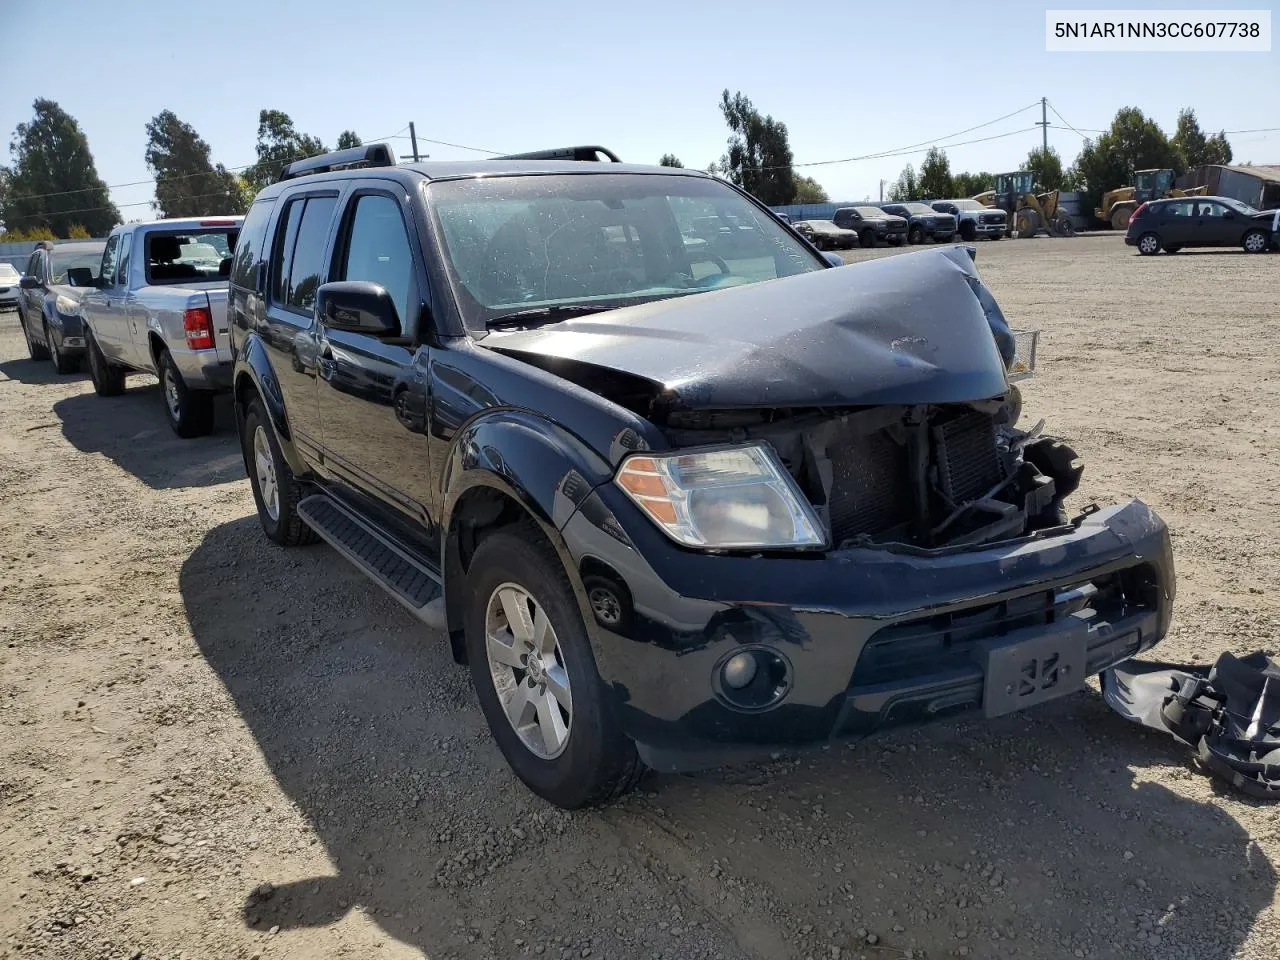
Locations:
(1148, 244)
(1255, 241)
(276, 491)
(61, 362)
(108, 381)
(37, 351)
(968, 231)
(867, 239)
(535, 676)
(190, 412)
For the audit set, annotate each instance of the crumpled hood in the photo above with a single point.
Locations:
(915, 328)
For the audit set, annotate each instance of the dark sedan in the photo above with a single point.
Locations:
(1172, 224)
(57, 277)
(872, 225)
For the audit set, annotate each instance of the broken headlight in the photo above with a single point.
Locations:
(66, 306)
(736, 497)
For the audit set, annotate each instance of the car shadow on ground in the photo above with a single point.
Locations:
(38, 372)
(131, 430)
(1054, 829)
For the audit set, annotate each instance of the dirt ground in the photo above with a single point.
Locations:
(213, 748)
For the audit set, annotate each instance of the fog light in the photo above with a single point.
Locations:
(739, 671)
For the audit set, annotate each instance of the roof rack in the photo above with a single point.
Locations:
(589, 154)
(372, 155)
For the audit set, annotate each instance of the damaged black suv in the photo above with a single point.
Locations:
(674, 494)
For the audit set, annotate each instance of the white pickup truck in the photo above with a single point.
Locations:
(159, 306)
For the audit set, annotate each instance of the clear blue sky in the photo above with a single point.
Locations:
(642, 78)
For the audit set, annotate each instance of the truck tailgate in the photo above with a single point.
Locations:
(221, 332)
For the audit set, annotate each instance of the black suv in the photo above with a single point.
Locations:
(924, 224)
(872, 225)
(669, 499)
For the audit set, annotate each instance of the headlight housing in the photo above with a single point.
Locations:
(721, 498)
(66, 306)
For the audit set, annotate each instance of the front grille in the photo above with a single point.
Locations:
(943, 642)
(993, 218)
(968, 462)
(870, 491)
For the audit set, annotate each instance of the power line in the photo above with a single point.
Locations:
(446, 143)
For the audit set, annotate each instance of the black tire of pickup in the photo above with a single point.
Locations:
(108, 381)
(968, 231)
(599, 763)
(189, 412)
(916, 235)
(286, 528)
(867, 239)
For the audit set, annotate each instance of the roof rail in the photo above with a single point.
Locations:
(589, 154)
(372, 155)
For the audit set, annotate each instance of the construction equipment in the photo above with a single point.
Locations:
(1155, 184)
(1028, 213)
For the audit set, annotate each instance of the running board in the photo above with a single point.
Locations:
(405, 578)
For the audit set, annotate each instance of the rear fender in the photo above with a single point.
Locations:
(254, 375)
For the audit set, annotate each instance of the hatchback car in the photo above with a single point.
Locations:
(1172, 224)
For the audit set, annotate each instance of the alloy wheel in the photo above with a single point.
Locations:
(265, 467)
(53, 346)
(1255, 243)
(1148, 244)
(172, 398)
(528, 670)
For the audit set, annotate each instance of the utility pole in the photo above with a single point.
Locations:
(413, 138)
(882, 191)
(1043, 124)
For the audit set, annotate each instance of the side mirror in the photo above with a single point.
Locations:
(81, 277)
(357, 306)
(834, 259)
(29, 283)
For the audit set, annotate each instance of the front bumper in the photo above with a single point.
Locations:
(870, 637)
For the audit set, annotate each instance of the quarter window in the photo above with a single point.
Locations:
(377, 250)
(252, 231)
(108, 270)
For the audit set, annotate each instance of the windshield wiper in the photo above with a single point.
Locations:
(537, 315)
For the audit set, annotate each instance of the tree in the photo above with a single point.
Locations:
(935, 176)
(1046, 169)
(809, 190)
(1193, 147)
(670, 160)
(759, 157)
(187, 184)
(54, 182)
(1133, 142)
(906, 187)
(972, 184)
(278, 144)
(348, 139)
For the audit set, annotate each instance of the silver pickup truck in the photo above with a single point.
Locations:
(159, 306)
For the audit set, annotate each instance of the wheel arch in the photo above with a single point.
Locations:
(253, 378)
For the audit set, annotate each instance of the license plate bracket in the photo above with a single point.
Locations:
(1032, 666)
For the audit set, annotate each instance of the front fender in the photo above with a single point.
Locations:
(253, 372)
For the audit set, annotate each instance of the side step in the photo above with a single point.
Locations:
(416, 587)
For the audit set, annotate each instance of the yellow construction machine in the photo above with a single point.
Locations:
(1118, 204)
(1027, 213)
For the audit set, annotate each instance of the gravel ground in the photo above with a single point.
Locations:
(212, 748)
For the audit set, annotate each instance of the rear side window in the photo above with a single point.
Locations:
(249, 245)
(1184, 209)
(298, 261)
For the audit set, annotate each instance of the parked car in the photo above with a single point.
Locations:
(872, 224)
(825, 235)
(57, 277)
(1172, 224)
(666, 508)
(924, 224)
(9, 289)
(785, 218)
(974, 220)
(160, 307)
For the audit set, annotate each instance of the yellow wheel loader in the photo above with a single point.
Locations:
(1118, 204)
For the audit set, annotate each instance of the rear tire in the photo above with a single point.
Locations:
(275, 489)
(190, 412)
(1148, 244)
(61, 362)
(108, 381)
(515, 568)
(1120, 218)
(36, 350)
